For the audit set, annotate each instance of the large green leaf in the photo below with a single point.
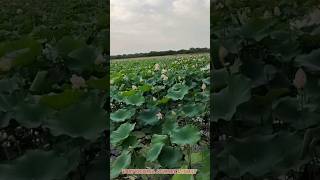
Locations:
(154, 151)
(38, 165)
(177, 91)
(148, 117)
(310, 61)
(30, 114)
(121, 133)
(185, 135)
(170, 157)
(67, 44)
(169, 125)
(122, 162)
(98, 83)
(122, 115)
(158, 138)
(82, 58)
(276, 153)
(21, 52)
(62, 100)
(135, 99)
(86, 119)
(227, 100)
(9, 85)
(192, 110)
(38, 81)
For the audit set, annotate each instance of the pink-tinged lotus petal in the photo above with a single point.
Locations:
(300, 79)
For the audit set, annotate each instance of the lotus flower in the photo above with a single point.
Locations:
(156, 67)
(159, 115)
(77, 82)
(203, 87)
(300, 79)
(164, 77)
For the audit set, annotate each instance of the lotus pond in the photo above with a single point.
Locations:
(160, 115)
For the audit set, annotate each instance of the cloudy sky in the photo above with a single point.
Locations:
(153, 25)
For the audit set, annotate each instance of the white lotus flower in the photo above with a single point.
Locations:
(163, 71)
(159, 115)
(111, 81)
(156, 67)
(164, 77)
(77, 82)
(154, 99)
(134, 87)
(203, 87)
(205, 68)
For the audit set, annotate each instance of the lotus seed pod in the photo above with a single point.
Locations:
(300, 79)
(276, 11)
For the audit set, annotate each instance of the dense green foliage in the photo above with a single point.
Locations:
(266, 116)
(53, 89)
(160, 114)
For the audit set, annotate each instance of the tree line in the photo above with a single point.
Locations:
(162, 53)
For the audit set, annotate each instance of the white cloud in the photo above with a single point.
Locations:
(146, 25)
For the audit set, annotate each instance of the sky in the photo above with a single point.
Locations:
(154, 25)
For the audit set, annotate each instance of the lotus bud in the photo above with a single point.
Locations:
(300, 79)
(276, 11)
(159, 115)
(203, 87)
(77, 82)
